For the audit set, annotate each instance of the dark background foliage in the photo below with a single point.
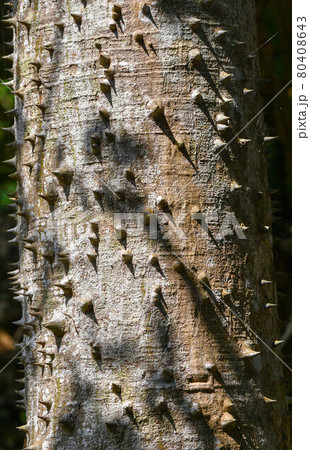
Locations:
(275, 60)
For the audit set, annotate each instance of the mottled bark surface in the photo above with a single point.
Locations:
(133, 353)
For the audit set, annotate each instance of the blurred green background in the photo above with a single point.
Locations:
(275, 60)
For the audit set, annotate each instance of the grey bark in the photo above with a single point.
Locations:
(118, 105)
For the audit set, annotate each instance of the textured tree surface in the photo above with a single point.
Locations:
(126, 108)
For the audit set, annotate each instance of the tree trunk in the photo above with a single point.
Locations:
(137, 315)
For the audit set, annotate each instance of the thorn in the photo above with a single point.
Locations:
(25, 213)
(77, 19)
(237, 43)
(112, 26)
(224, 76)
(45, 417)
(269, 400)
(36, 312)
(218, 144)
(219, 32)
(247, 352)
(222, 127)
(276, 343)
(115, 16)
(266, 282)
(194, 24)
(65, 286)
(161, 202)
(50, 48)
(50, 196)
(105, 87)
(95, 142)
(98, 192)
(153, 260)
(203, 278)
(270, 138)
(120, 233)
(47, 403)
(228, 405)
(224, 100)
(60, 26)
(64, 175)
(21, 393)
(94, 240)
(147, 215)
(96, 350)
(265, 228)
(227, 420)
(128, 408)
(12, 112)
(105, 60)
(110, 136)
(87, 306)
(9, 44)
(9, 83)
(225, 294)
(247, 91)
(116, 388)
(195, 57)
(32, 247)
(109, 73)
(10, 162)
(127, 256)
(21, 404)
(14, 272)
(92, 257)
(41, 106)
(94, 226)
(195, 409)
(31, 139)
(156, 111)
(15, 176)
(197, 97)
(9, 15)
(117, 8)
(161, 404)
(158, 289)
(243, 141)
(155, 299)
(220, 118)
(104, 114)
(10, 22)
(25, 22)
(41, 135)
(40, 364)
(57, 327)
(25, 428)
(129, 175)
(138, 37)
(271, 305)
(195, 210)
(37, 445)
(178, 266)
(19, 93)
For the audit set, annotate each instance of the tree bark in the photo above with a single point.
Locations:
(123, 111)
